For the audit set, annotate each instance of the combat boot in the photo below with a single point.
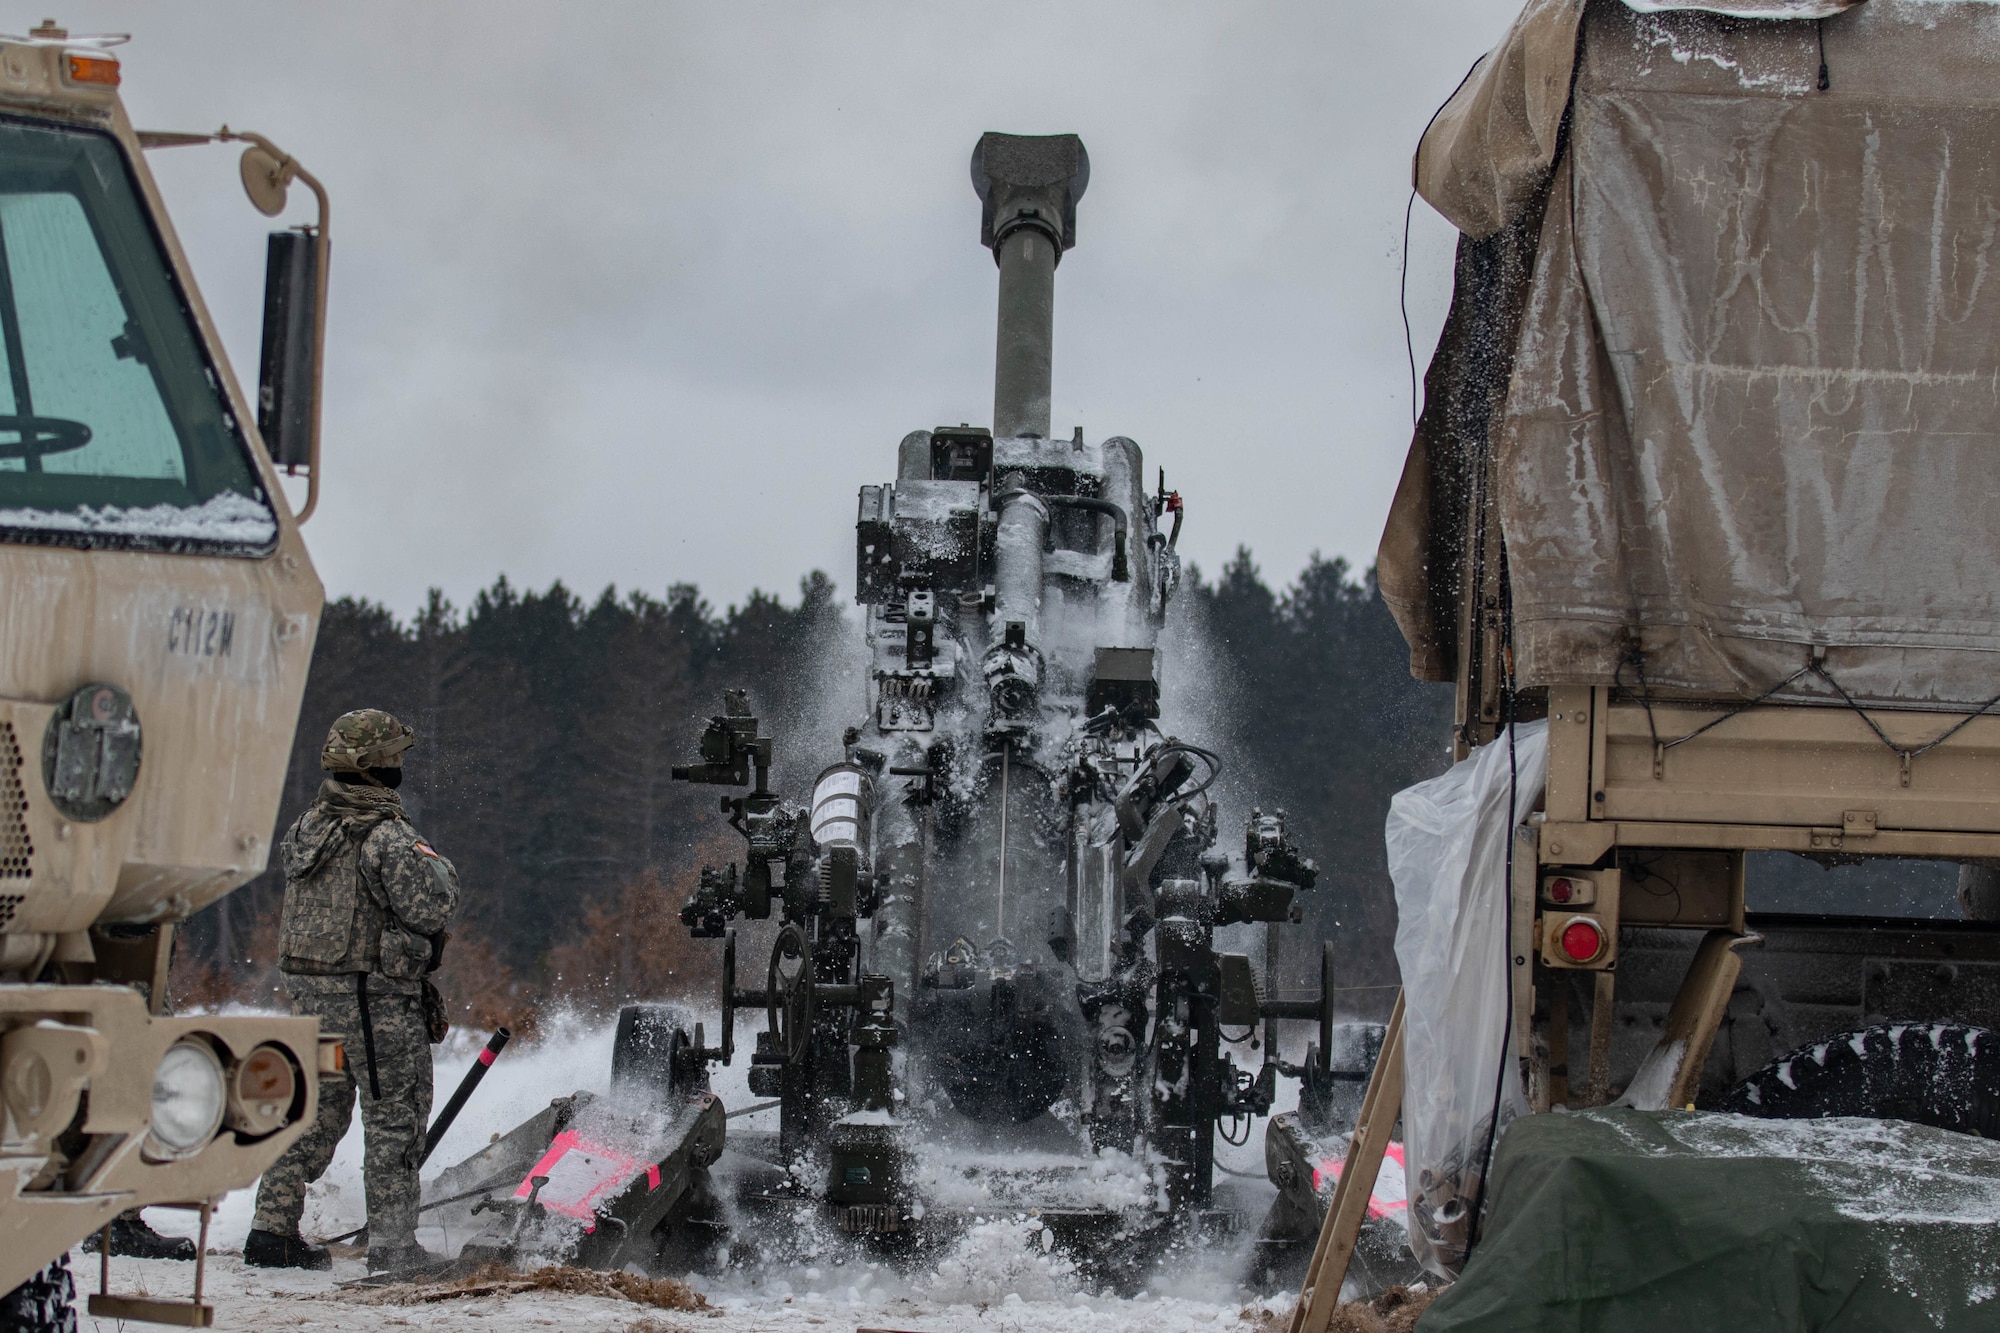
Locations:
(267, 1249)
(132, 1238)
(399, 1260)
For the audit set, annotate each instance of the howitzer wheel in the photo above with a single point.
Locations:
(788, 993)
(646, 1052)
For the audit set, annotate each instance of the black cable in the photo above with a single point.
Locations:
(1637, 660)
(1906, 755)
(1403, 293)
(1209, 757)
(1507, 975)
(1243, 1175)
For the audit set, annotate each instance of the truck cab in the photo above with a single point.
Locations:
(157, 616)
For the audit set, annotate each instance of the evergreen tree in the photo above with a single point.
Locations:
(1328, 725)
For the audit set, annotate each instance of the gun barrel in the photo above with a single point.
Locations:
(1028, 186)
(1024, 352)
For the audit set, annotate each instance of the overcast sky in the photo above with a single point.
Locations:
(641, 293)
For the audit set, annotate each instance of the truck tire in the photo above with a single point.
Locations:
(45, 1303)
(1946, 1075)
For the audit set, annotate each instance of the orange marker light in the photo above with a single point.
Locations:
(101, 70)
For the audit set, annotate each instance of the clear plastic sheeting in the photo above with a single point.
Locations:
(1447, 843)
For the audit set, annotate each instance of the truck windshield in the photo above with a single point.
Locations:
(114, 431)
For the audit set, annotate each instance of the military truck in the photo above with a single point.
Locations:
(160, 611)
(1703, 489)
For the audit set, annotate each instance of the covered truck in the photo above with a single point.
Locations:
(1705, 502)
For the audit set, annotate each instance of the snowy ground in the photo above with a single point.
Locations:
(260, 1299)
(996, 1278)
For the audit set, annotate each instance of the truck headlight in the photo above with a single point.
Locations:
(188, 1097)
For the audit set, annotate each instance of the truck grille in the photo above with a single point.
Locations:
(17, 851)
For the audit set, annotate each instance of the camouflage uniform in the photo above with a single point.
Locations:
(364, 895)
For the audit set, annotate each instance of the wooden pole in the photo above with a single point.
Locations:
(1341, 1228)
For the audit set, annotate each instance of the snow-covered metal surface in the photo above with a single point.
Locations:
(1447, 844)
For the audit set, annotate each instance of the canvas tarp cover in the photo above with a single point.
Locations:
(1489, 148)
(1674, 1221)
(1742, 395)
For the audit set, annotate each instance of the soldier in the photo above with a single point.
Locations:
(366, 902)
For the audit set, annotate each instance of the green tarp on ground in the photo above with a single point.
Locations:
(1686, 1222)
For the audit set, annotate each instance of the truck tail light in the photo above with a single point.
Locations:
(1561, 889)
(1582, 940)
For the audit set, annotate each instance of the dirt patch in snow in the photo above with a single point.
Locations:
(1393, 1311)
(495, 1280)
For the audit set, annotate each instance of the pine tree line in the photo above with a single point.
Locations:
(547, 726)
(1325, 723)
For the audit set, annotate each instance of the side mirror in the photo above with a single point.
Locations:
(294, 352)
(266, 178)
(288, 378)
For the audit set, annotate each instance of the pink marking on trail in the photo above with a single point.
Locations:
(1392, 1191)
(652, 1177)
(579, 1174)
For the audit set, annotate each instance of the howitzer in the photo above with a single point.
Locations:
(1013, 872)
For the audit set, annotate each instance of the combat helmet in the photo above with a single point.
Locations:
(363, 739)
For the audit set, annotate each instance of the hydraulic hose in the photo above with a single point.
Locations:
(1121, 570)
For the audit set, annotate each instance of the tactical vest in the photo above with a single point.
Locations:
(332, 922)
